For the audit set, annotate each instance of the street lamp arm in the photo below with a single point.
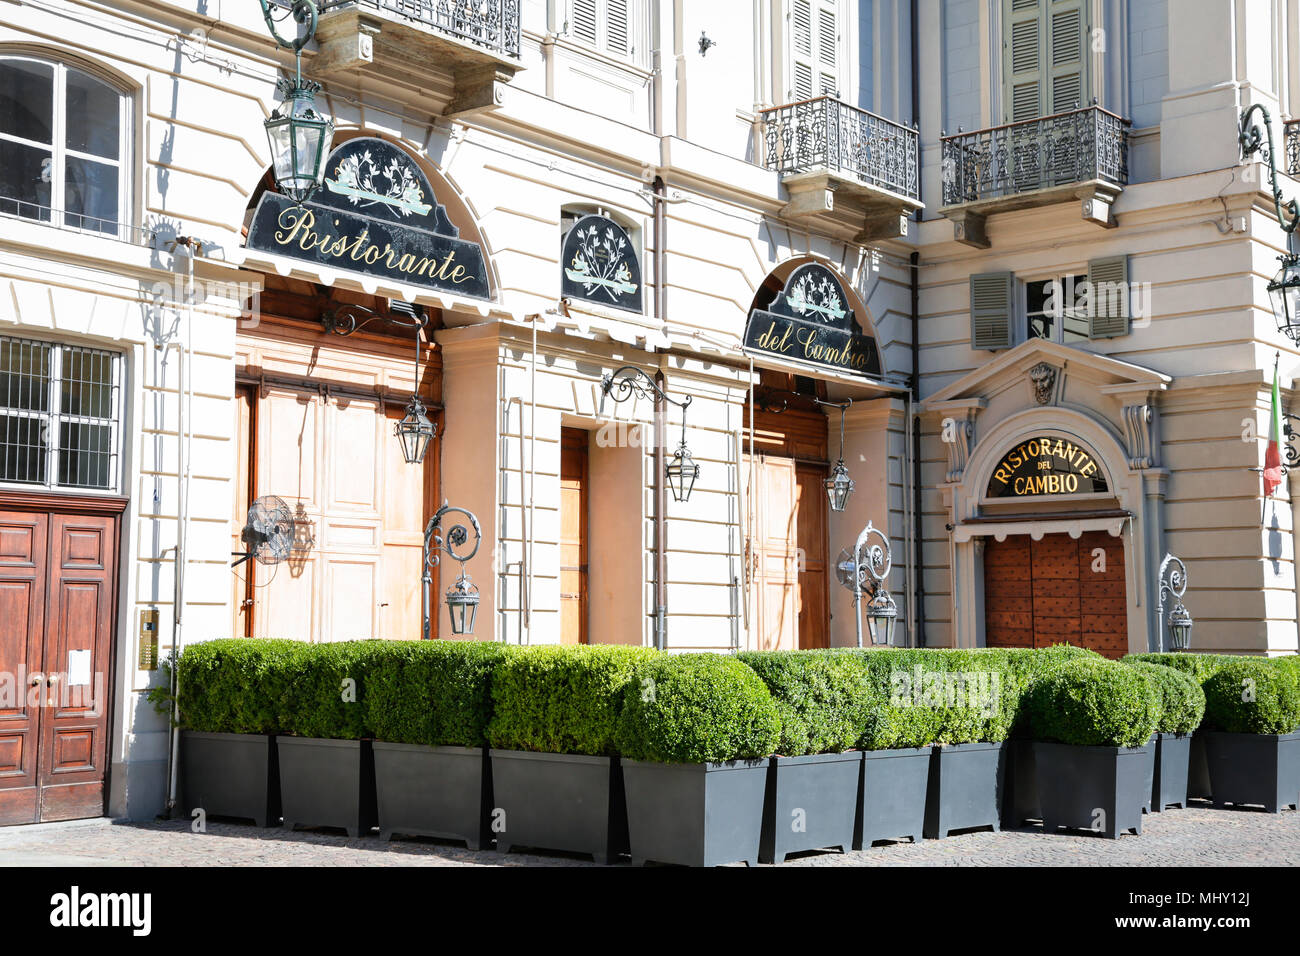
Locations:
(302, 12)
(456, 537)
(1252, 141)
(623, 383)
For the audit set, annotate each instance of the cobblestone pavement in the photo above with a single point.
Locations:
(1198, 836)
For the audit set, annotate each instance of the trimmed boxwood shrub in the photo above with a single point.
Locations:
(697, 708)
(436, 693)
(1200, 666)
(327, 698)
(1093, 704)
(561, 699)
(237, 685)
(823, 700)
(1252, 696)
(1182, 702)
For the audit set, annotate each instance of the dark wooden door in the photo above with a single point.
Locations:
(574, 467)
(58, 575)
(1058, 589)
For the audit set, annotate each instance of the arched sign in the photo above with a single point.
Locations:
(376, 214)
(1046, 466)
(810, 321)
(598, 264)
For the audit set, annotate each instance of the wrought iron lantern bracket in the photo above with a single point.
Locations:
(624, 383)
(350, 317)
(1172, 579)
(872, 563)
(1284, 288)
(462, 595)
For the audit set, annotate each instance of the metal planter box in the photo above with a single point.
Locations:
(811, 804)
(1020, 788)
(965, 792)
(695, 814)
(570, 802)
(433, 791)
(231, 775)
(327, 783)
(1198, 769)
(1102, 789)
(1254, 769)
(1172, 758)
(891, 800)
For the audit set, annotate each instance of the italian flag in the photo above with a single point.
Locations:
(1273, 454)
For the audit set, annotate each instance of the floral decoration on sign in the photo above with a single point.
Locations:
(395, 186)
(818, 295)
(600, 262)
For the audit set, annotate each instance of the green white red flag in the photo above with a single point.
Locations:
(1273, 453)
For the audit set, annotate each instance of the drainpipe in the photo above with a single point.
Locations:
(915, 384)
(660, 490)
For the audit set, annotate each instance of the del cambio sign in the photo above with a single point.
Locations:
(810, 321)
(375, 214)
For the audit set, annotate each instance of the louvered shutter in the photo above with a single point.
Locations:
(814, 49)
(1066, 44)
(616, 32)
(584, 21)
(827, 49)
(992, 302)
(1108, 282)
(1023, 66)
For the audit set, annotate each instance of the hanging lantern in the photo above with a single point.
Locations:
(1172, 585)
(300, 138)
(681, 473)
(1180, 628)
(462, 605)
(839, 486)
(1284, 294)
(415, 431)
(882, 614)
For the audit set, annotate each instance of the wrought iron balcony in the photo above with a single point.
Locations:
(824, 146)
(1080, 154)
(475, 41)
(1291, 143)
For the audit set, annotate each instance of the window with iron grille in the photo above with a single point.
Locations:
(59, 415)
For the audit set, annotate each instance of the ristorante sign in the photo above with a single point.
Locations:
(599, 264)
(1048, 465)
(375, 214)
(810, 321)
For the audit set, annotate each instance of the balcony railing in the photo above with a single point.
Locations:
(491, 24)
(1082, 145)
(1291, 145)
(826, 134)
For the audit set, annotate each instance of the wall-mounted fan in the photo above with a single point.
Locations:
(268, 532)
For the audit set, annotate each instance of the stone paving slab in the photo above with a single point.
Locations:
(1197, 836)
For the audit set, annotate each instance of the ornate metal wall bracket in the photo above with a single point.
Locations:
(1172, 585)
(463, 593)
(350, 318)
(1252, 140)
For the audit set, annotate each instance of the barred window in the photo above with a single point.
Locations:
(59, 415)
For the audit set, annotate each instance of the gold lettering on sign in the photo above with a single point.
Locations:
(298, 226)
(1059, 463)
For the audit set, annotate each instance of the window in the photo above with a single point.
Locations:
(62, 145)
(1045, 67)
(1055, 310)
(603, 24)
(59, 414)
(814, 49)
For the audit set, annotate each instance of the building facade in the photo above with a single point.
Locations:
(1002, 257)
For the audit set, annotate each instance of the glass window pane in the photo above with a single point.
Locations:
(22, 449)
(87, 386)
(84, 455)
(94, 116)
(91, 195)
(27, 100)
(25, 180)
(24, 375)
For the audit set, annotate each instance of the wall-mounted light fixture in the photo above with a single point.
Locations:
(863, 571)
(838, 483)
(1284, 289)
(462, 597)
(1173, 584)
(628, 381)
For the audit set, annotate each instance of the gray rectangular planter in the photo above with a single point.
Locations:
(1254, 769)
(891, 800)
(966, 783)
(571, 802)
(231, 775)
(1169, 785)
(1150, 750)
(1020, 788)
(433, 791)
(327, 783)
(695, 814)
(1198, 768)
(811, 804)
(1102, 789)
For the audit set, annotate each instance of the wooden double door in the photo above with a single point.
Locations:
(1054, 590)
(58, 584)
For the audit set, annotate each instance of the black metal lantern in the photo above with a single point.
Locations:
(864, 571)
(1284, 289)
(414, 431)
(1284, 294)
(462, 605)
(299, 135)
(838, 484)
(1180, 628)
(1172, 582)
(682, 471)
(462, 597)
(882, 614)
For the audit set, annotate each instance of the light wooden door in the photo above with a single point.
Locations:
(574, 471)
(773, 554)
(814, 602)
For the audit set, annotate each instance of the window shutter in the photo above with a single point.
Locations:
(1108, 282)
(584, 20)
(814, 49)
(1068, 65)
(1023, 66)
(992, 300)
(616, 36)
(827, 44)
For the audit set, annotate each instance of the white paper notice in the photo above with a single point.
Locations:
(78, 668)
